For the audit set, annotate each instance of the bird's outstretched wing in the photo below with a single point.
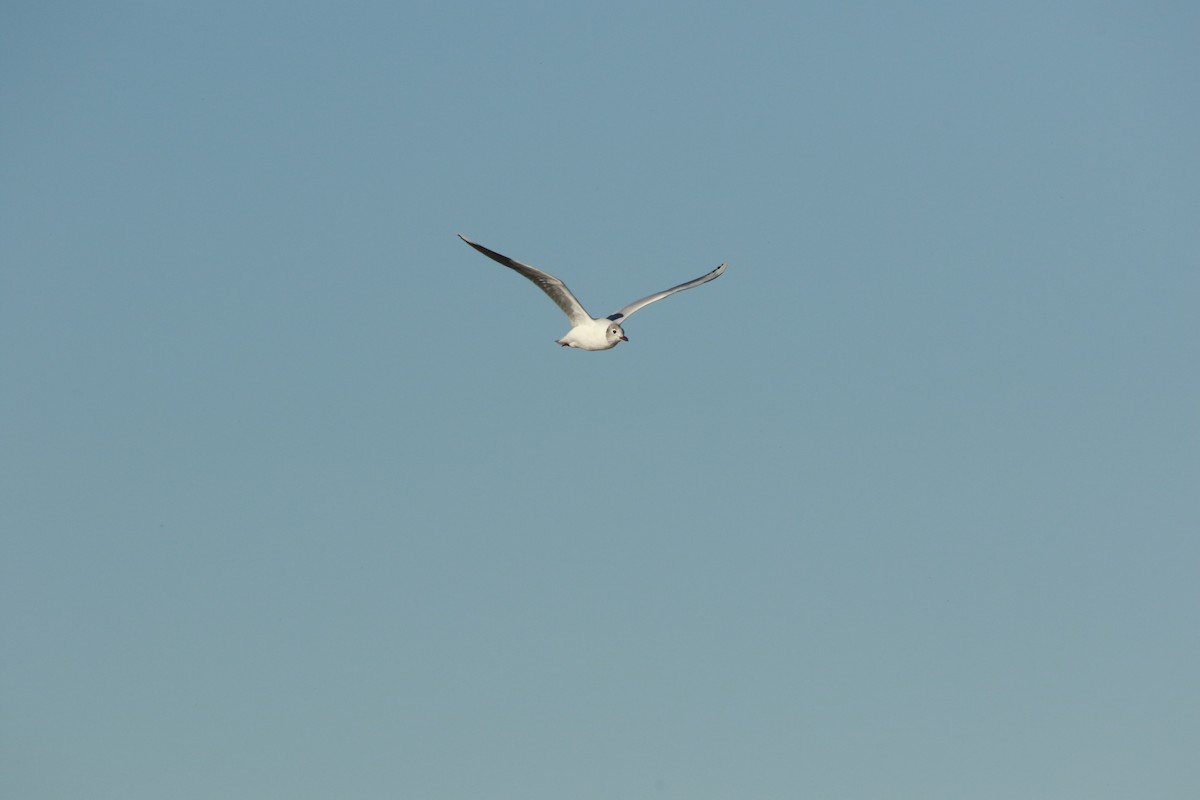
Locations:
(552, 286)
(654, 298)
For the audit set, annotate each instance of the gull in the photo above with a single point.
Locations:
(587, 332)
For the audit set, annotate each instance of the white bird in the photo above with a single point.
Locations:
(587, 332)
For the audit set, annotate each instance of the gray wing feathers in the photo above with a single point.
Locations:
(645, 301)
(552, 286)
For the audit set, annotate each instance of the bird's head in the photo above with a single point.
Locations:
(614, 334)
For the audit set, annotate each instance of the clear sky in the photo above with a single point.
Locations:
(298, 498)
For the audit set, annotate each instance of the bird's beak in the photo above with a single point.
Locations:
(624, 339)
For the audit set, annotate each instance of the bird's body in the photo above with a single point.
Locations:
(587, 332)
(595, 334)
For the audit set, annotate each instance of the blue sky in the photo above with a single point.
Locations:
(299, 499)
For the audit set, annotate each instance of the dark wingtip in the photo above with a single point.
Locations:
(480, 247)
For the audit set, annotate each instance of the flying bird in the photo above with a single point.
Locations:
(587, 332)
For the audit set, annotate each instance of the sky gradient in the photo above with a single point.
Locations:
(299, 499)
